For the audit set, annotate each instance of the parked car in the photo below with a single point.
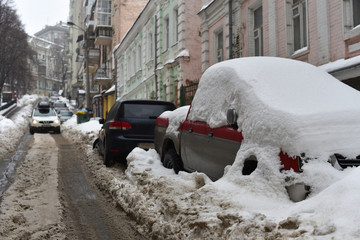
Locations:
(58, 106)
(65, 115)
(53, 99)
(44, 119)
(129, 124)
(293, 107)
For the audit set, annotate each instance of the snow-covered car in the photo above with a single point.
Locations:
(44, 119)
(271, 112)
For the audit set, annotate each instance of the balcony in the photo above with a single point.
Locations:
(103, 35)
(94, 56)
(103, 77)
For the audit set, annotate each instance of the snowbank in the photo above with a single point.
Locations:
(191, 206)
(12, 130)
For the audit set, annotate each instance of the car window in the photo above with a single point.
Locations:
(66, 113)
(44, 113)
(144, 110)
(59, 104)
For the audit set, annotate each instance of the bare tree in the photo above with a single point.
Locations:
(14, 50)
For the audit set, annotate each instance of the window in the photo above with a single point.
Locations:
(176, 25)
(104, 12)
(356, 12)
(219, 41)
(150, 46)
(351, 15)
(299, 24)
(258, 32)
(166, 33)
(139, 58)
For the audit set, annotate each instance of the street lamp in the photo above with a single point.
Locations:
(87, 95)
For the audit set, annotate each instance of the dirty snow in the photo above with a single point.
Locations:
(191, 206)
(12, 130)
(30, 208)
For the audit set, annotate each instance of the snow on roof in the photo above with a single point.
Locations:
(206, 5)
(183, 53)
(286, 103)
(341, 64)
(110, 90)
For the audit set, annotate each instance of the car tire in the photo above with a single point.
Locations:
(172, 160)
(108, 161)
(31, 131)
(58, 131)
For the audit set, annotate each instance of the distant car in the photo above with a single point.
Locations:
(44, 119)
(295, 109)
(58, 106)
(65, 115)
(129, 124)
(53, 99)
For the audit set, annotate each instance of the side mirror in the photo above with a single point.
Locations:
(101, 121)
(231, 117)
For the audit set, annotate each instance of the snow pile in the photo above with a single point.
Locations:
(12, 130)
(191, 206)
(175, 118)
(87, 130)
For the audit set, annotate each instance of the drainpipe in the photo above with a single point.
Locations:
(115, 78)
(155, 62)
(230, 30)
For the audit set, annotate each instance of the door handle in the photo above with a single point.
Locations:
(210, 134)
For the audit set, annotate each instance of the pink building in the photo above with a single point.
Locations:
(323, 33)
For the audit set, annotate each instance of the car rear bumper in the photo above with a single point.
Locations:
(123, 146)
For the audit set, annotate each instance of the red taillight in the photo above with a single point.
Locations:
(290, 162)
(119, 125)
(162, 122)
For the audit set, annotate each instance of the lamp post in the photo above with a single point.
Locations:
(87, 95)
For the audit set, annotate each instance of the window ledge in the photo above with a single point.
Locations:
(352, 32)
(300, 52)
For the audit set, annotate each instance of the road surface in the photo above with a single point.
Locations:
(53, 197)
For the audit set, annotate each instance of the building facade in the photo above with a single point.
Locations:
(318, 32)
(160, 53)
(50, 69)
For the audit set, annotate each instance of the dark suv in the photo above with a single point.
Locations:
(129, 124)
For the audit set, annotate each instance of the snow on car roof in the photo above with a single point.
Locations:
(281, 102)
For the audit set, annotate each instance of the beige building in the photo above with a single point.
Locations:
(102, 24)
(50, 71)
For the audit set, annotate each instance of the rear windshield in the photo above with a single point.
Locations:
(60, 104)
(66, 113)
(151, 111)
(44, 113)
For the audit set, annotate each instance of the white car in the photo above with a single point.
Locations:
(44, 119)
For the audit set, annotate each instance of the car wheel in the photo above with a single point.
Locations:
(172, 160)
(31, 131)
(108, 161)
(58, 131)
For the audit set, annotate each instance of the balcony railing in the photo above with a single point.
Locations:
(94, 56)
(103, 35)
(102, 77)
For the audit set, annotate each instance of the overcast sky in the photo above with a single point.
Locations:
(35, 14)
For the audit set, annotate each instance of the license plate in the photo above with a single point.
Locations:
(146, 145)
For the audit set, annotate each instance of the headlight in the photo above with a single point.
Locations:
(35, 121)
(57, 121)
